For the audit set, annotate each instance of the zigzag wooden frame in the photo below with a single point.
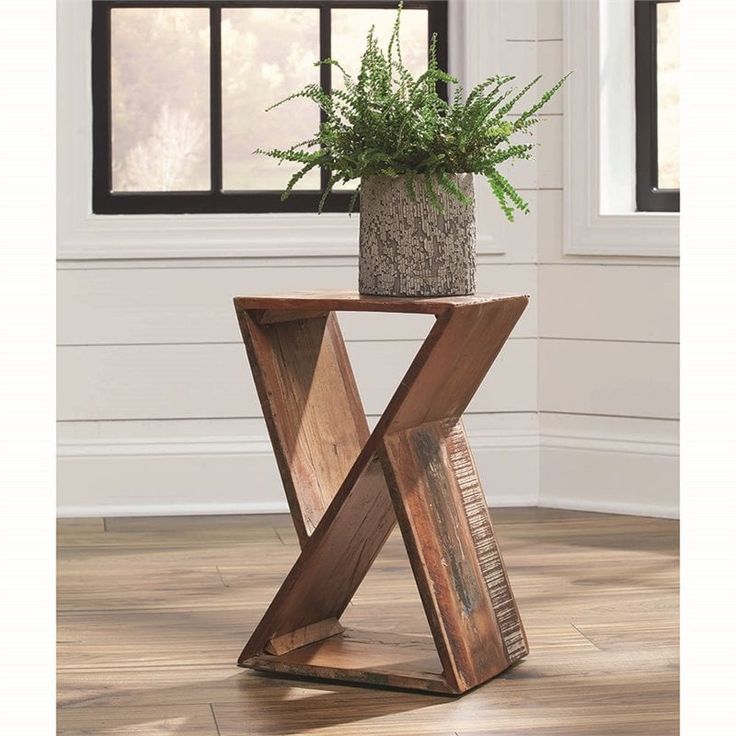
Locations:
(347, 487)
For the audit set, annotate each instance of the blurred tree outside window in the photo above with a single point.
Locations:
(657, 33)
(160, 94)
(668, 95)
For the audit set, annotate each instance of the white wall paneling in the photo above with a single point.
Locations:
(549, 154)
(194, 304)
(595, 478)
(609, 302)
(549, 20)
(213, 380)
(550, 67)
(660, 436)
(518, 19)
(608, 377)
(520, 60)
(610, 464)
(549, 226)
(608, 317)
(241, 478)
(157, 410)
(227, 466)
(517, 239)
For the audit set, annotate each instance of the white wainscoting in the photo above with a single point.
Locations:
(608, 346)
(173, 467)
(635, 379)
(609, 302)
(157, 410)
(194, 304)
(609, 464)
(187, 381)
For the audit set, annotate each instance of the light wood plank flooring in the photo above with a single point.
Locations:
(153, 613)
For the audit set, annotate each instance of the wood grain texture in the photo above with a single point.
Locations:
(364, 657)
(452, 362)
(441, 549)
(304, 636)
(454, 553)
(333, 561)
(310, 403)
(308, 395)
(144, 657)
(350, 301)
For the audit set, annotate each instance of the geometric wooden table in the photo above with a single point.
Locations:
(347, 487)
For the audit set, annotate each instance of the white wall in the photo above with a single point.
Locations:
(157, 413)
(608, 357)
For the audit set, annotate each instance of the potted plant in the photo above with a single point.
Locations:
(415, 155)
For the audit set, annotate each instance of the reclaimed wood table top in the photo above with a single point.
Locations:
(352, 301)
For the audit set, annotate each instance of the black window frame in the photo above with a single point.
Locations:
(217, 200)
(649, 197)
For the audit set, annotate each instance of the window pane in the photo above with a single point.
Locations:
(160, 99)
(668, 95)
(350, 27)
(267, 54)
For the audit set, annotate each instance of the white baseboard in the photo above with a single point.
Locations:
(612, 475)
(238, 475)
(625, 445)
(165, 476)
(214, 509)
(172, 509)
(658, 511)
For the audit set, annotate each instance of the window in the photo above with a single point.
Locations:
(600, 212)
(180, 90)
(657, 105)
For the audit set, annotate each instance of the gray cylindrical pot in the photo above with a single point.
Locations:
(407, 247)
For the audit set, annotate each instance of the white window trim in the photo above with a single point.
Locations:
(599, 170)
(82, 235)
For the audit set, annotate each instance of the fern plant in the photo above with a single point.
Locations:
(387, 122)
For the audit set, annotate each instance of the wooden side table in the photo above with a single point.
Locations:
(347, 487)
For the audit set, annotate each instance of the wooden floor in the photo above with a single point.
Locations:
(153, 613)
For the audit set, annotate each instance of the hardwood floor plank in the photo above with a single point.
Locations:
(657, 634)
(218, 522)
(169, 538)
(505, 708)
(149, 631)
(79, 526)
(156, 720)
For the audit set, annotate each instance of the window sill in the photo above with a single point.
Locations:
(207, 236)
(628, 234)
(123, 237)
(84, 236)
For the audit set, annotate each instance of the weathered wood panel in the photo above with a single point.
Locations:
(442, 551)
(416, 446)
(311, 406)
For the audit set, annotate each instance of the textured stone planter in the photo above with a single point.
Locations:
(408, 248)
